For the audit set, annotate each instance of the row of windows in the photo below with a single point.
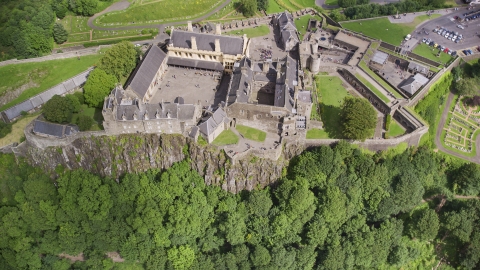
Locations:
(201, 56)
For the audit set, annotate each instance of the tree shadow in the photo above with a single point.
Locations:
(332, 122)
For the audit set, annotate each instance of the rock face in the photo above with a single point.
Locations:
(116, 155)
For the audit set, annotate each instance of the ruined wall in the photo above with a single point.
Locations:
(116, 155)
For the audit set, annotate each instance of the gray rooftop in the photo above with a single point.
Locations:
(218, 118)
(241, 82)
(206, 42)
(52, 129)
(412, 84)
(304, 96)
(195, 63)
(144, 74)
(380, 57)
(418, 67)
(156, 111)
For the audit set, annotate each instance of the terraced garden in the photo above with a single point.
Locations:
(461, 129)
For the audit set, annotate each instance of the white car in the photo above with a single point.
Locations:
(460, 26)
(408, 37)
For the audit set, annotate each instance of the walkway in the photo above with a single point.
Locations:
(438, 135)
(410, 17)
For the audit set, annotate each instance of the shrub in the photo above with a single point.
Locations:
(387, 122)
(5, 129)
(80, 97)
(84, 122)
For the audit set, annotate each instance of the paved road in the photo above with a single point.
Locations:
(438, 135)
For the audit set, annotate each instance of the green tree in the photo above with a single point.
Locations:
(467, 86)
(467, 179)
(249, 7)
(59, 33)
(58, 109)
(84, 122)
(425, 225)
(359, 118)
(181, 257)
(260, 256)
(262, 4)
(119, 60)
(5, 129)
(75, 102)
(99, 85)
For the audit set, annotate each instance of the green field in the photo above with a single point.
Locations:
(384, 30)
(160, 11)
(331, 2)
(257, 31)
(330, 95)
(302, 23)
(40, 76)
(373, 88)
(231, 7)
(395, 129)
(225, 138)
(431, 53)
(251, 133)
(95, 113)
(273, 7)
(316, 133)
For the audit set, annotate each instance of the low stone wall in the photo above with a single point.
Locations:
(8, 148)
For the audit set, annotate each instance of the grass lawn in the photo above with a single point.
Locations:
(166, 10)
(251, 133)
(373, 88)
(258, 31)
(287, 5)
(302, 23)
(226, 137)
(395, 130)
(384, 30)
(40, 76)
(331, 94)
(17, 130)
(232, 6)
(273, 7)
(427, 52)
(95, 113)
(379, 80)
(316, 133)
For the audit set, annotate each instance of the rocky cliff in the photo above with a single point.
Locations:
(116, 155)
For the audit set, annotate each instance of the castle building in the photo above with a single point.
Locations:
(288, 32)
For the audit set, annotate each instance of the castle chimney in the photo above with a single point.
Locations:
(217, 44)
(189, 27)
(218, 30)
(194, 43)
(266, 66)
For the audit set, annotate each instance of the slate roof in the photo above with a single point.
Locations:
(144, 74)
(380, 57)
(51, 129)
(285, 88)
(218, 118)
(412, 84)
(16, 110)
(240, 82)
(195, 63)
(287, 27)
(418, 67)
(206, 42)
(156, 111)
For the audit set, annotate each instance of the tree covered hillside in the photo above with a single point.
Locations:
(335, 208)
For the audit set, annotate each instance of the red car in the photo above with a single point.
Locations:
(446, 50)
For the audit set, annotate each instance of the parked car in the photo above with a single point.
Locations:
(424, 40)
(436, 45)
(408, 37)
(460, 26)
(454, 53)
(431, 43)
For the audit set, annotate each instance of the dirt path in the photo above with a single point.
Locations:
(438, 135)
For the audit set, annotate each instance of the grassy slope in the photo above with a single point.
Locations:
(41, 76)
(251, 133)
(395, 130)
(427, 52)
(316, 133)
(331, 94)
(226, 137)
(166, 10)
(17, 130)
(384, 30)
(302, 24)
(259, 31)
(273, 7)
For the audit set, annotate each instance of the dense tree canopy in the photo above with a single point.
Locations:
(59, 33)
(119, 60)
(336, 208)
(359, 119)
(99, 85)
(58, 109)
(249, 7)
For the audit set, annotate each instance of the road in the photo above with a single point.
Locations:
(438, 135)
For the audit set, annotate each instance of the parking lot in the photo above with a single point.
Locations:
(470, 32)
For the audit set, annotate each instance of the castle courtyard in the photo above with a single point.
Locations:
(192, 85)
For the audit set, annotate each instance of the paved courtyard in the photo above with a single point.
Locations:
(393, 74)
(192, 85)
(261, 44)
